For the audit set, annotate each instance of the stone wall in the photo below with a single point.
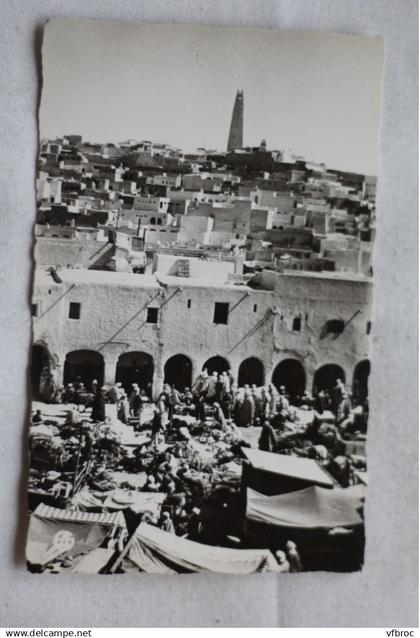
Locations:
(260, 322)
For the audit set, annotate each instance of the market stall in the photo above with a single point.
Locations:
(270, 473)
(327, 525)
(157, 552)
(62, 536)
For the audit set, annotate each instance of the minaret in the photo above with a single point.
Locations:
(237, 123)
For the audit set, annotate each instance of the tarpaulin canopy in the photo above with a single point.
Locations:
(157, 552)
(53, 532)
(118, 500)
(294, 467)
(136, 501)
(311, 508)
(87, 500)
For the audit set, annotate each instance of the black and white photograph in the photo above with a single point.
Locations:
(202, 299)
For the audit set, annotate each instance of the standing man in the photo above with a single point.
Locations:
(293, 557)
(267, 441)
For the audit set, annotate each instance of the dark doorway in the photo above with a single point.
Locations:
(216, 364)
(85, 366)
(291, 374)
(135, 367)
(40, 370)
(178, 371)
(251, 371)
(360, 380)
(326, 377)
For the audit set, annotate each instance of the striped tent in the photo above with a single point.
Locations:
(56, 532)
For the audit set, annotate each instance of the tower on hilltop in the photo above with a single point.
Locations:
(237, 123)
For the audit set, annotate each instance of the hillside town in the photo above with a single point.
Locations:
(200, 359)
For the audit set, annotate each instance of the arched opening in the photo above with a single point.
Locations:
(40, 359)
(42, 379)
(216, 364)
(251, 371)
(360, 380)
(178, 371)
(135, 367)
(84, 366)
(326, 377)
(291, 374)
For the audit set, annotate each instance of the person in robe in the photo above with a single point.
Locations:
(113, 393)
(166, 523)
(188, 404)
(258, 405)
(267, 441)
(321, 402)
(219, 388)
(293, 557)
(173, 401)
(68, 396)
(158, 428)
(151, 484)
(195, 526)
(246, 410)
(344, 408)
(211, 390)
(231, 377)
(200, 385)
(144, 399)
(306, 400)
(98, 406)
(226, 380)
(219, 416)
(272, 402)
(163, 409)
(338, 393)
(283, 563)
(283, 405)
(57, 396)
(264, 403)
(135, 401)
(123, 408)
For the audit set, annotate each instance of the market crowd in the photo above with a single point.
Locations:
(202, 493)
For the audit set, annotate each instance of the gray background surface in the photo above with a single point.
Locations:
(385, 592)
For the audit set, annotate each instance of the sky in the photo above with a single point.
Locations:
(315, 94)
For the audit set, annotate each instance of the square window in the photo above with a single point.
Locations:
(297, 324)
(335, 326)
(152, 315)
(74, 310)
(35, 309)
(221, 312)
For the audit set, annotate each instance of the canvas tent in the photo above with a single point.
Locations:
(53, 532)
(311, 508)
(327, 525)
(269, 473)
(157, 552)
